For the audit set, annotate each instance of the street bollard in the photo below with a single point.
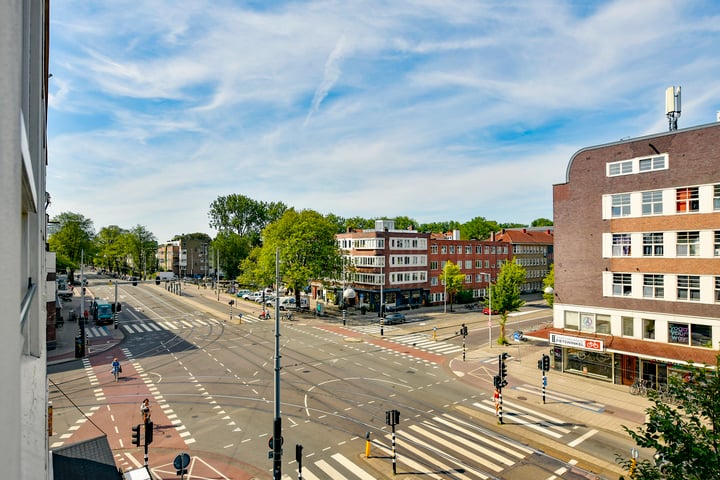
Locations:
(367, 445)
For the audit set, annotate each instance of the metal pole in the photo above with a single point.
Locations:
(500, 377)
(115, 314)
(544, 381)
(393, 452)
(277, 422)
(382, 283)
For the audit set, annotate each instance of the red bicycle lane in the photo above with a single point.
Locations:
(120, 410)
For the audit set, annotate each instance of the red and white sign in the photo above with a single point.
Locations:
(577, 342)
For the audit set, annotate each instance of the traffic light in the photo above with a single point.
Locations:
(496, 381)
(157, 280)
(503, 369)
(546, 363)
(464, 330)
(134, 282)
(116, 307)
(540, 364)
(298, 453)
(136, 435)
(148, 433)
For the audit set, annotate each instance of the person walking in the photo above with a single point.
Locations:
(116, 369)
(145, 410)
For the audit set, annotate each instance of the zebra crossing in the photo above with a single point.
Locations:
(441, 445)
(148, 326)
(419, 340)
(97, 331)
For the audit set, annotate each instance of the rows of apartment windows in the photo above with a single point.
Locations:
(658, 286)
(677, 332)
(694, 243)
(695, 199)
(637, 165)
(468, 249)
(468, 264)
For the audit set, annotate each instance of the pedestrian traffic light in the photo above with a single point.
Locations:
(136, 435)
(148, 433)
(546, 363)
(496, 381)
(503, 369)
(157, 280)
(298, 453)
(464, 330)
(540, 364)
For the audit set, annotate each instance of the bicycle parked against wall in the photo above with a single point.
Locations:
(639, 387)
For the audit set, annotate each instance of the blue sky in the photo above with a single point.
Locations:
(436, 110)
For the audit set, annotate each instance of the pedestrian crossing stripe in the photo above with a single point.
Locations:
(563, 398)
(94, 332)
(423, 342)
(324, 469)
(515, 413)
(158, 326)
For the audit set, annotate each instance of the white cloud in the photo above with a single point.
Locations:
(434, 110)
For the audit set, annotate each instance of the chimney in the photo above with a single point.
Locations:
(524, 230)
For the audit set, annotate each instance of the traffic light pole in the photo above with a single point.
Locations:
(544, 381)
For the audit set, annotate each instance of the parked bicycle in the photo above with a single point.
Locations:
(639, 387)
(288, 316)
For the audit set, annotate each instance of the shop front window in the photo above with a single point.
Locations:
(602, 324)
(701, 336)
(595, 364)
(679, 333)
(628, 326)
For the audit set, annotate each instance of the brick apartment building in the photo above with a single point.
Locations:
(188, 257)
(637, 257)
(480, 261)
(404, 266)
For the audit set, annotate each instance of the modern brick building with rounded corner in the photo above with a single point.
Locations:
(637, 257)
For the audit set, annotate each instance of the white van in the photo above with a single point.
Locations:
(285, 303)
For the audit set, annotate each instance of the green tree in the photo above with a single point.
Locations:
(233, 249)
(440, 227)
(110, 247)
(142, 248)
(307, 248)
(549, 282)
(72, 236)
(505, 294)
(478, 228)
(243, 215)
(685, 433)
(541, 222)
(403, 223)
(453, 279)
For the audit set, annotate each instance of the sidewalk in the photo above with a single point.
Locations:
(65, 335)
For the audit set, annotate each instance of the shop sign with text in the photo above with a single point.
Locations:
(577, 342)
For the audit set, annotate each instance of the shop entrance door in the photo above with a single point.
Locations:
(629, 369)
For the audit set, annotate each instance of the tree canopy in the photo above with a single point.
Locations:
(72, 235)
(307, 249)
(453, 278)
(549, 282)
(505, 294)
(683, 427)
(243, 215)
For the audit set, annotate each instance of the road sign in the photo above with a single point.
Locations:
(181, 461)
(271, 443)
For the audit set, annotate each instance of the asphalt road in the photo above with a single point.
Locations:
(211, 382)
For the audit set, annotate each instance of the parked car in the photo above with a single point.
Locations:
(486, 311)
(241, 293)
(394, 318)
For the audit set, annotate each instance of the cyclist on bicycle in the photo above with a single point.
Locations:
(116, 368)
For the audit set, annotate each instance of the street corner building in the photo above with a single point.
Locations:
(637, 258)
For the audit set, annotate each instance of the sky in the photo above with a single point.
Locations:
(436, 110)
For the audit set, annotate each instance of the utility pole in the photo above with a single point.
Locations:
(276, 444)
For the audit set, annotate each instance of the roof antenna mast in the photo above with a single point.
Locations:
(672, 106)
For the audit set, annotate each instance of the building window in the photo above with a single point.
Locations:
(433, 281)
(688, 287)
(688, 199)
(653, 244)
(443, 249)
(622, 286)
(468, 278)
(653, 286)
(648, 329)
(653, 163)
(468, 249)
(717, 243)
(572, 320)
(701, 336)
(652, 203)
(717, 289)
(621, 245)
(619, 168)
(602, 324)
(433, 249)
(688, 244)
(468, 264)
(679, 333)
(452, 248)
(628, 326)
(434, 265)
(716, 198)
(621, 205)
